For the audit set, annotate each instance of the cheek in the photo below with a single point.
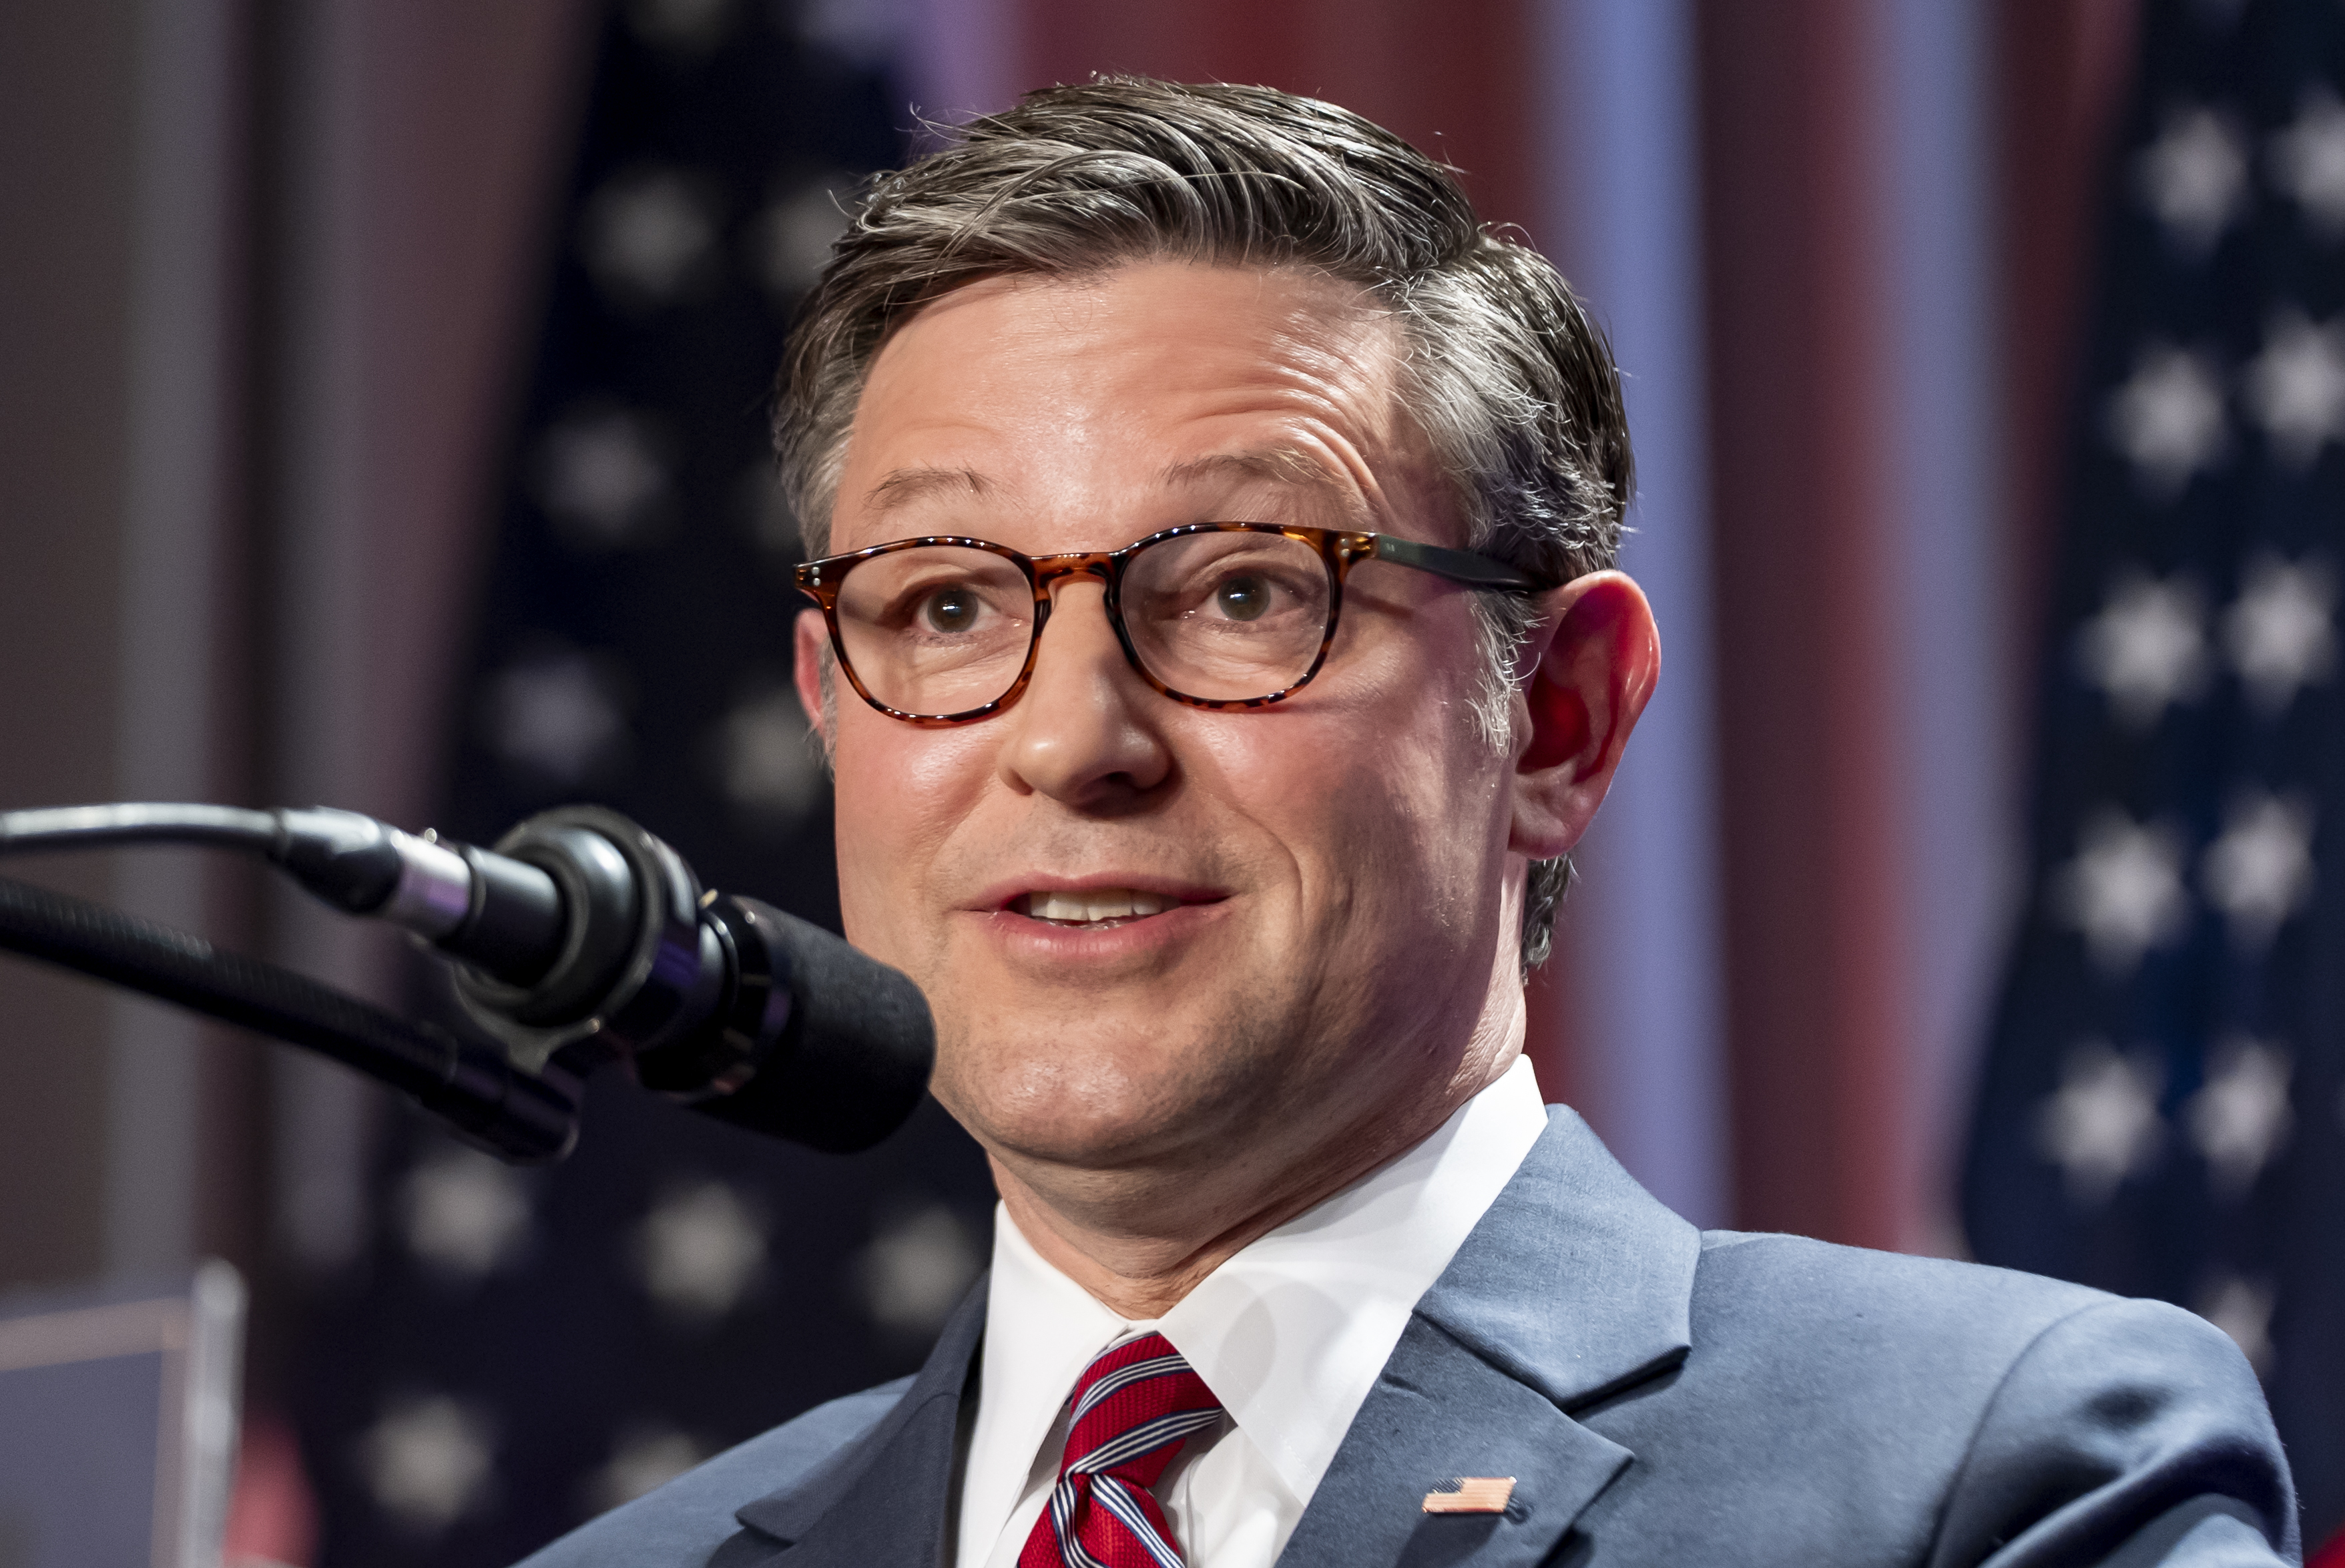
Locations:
(1416, 826)
(1381, 801)
(1431, 792)
(899, 791)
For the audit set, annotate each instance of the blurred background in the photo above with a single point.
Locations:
(381, 407)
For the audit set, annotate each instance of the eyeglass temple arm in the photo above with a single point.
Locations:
(1457, 566)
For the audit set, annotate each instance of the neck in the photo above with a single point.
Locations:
(1140, 1241)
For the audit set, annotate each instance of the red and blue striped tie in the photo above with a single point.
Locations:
(1135, 1405)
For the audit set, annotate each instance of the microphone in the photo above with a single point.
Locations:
(581, 941)
(582, 938)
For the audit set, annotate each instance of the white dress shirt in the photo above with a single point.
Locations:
(1290, 1334)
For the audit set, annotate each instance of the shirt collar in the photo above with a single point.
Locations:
(1290, 1333)
(1041, 1330)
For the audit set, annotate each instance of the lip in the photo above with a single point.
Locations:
(998, 897)
(1144, 939)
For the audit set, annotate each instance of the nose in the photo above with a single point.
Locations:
(1084, 731)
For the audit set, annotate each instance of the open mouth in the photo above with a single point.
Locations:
(1094, 909)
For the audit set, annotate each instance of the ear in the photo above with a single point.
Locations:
(1597, 656)
(811, 647)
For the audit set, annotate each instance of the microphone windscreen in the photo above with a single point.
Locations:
(853, 1061)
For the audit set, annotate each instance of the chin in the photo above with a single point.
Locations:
(1119, 1097)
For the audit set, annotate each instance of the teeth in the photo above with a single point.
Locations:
(1098, 905)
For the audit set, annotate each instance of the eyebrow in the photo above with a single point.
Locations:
(1283, 465)
(906, 485)
(1277, 465)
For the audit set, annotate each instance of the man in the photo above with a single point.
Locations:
(1218, 655)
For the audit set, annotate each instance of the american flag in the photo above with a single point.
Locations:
(508, 1352)
(2163, 1112)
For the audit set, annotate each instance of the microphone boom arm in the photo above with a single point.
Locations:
(524, 1118)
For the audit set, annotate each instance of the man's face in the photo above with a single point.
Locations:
(1328, 875)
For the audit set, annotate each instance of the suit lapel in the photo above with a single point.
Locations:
(1439, 1413)
(882, 1499)
(1574, 1285)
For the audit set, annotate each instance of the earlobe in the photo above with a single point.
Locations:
(1594, 671)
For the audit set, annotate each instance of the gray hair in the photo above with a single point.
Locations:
(1511, 382)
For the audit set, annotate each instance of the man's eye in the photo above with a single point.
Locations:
(1242, 599)
(951, 610)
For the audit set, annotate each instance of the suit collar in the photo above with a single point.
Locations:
(1576, 1284)
(881, 1499)
(1577, 1281)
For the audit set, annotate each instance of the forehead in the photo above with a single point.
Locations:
(1069, 396)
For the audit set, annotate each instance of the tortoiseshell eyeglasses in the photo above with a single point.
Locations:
(944, 630)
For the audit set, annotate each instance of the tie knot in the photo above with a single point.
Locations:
(1134, 1406)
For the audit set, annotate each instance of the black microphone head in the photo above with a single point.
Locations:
(853, 1058)
(627, 966)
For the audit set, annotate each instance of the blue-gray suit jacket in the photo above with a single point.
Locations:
(1662, 1396)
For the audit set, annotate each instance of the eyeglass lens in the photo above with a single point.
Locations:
(1222, 616)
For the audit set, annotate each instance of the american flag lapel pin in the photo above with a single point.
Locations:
(1471, 1494)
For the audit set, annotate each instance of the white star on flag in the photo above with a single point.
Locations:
(2168, 418)
(601, 479)
(2296, 387)
(2124, 889)
(464, 1213)
(555, 713)
(682, 24)
(2194, 177)
(2242, 1308)
(429, 1461)
(915, 1270)
(795, 234)
(2260, 871)
(2241, 1118)
(2308, 159)
(648, 236)
(2280, 632)
(700, 1250)
(771, 765)
(2101, 1125)
(2147, 647)
(645, 1456)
